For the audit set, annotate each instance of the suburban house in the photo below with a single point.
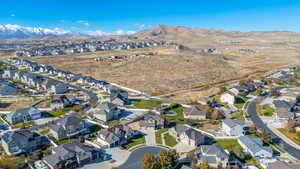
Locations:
(115, 136)
(23, 115)
(187, 135)
(53, 86)
(119, 97)
(67, 127)
(6, 89)
(72, 155)
(228, 98)
(196, 112)
(105, 112)
(153, 121)
(60, 102)
(22, 141)
(234, 127)
(254, 146)
(214, 155)
(283, 109)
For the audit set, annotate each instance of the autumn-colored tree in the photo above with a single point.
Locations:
(265, 137)
(167, 159)
(149, 162)
(222, 89)
(203, 165)
(259, 91)
(291, 126)
(217, 114)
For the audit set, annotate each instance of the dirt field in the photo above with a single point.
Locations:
(179, 75)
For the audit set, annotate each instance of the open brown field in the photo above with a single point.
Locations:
(182, 75)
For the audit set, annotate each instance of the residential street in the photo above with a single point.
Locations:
(251, 110)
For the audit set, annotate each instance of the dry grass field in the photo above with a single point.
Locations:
(181, 75)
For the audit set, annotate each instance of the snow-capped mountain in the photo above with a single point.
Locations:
(17, 31)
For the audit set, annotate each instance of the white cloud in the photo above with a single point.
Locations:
(85, 23)
(123, 32)
(120, 32)
(96, 33)
(130, 32)
(13, 15)
(140, 26)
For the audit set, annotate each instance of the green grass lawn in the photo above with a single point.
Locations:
(239, 106)
(64, 141)
(140, 139)
(291, 136)
(170, 140)
(178, 118)
(158, 137)
(22, 125)
(237, 115)
(1, 121)
(56, 113)
(227, 143)
(268, 111)
(44, 132)
(147, 104)
(113, 123)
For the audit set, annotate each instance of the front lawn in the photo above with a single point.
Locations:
(158, 137)
(139, 139)
(64, 141)
(170, 140)
(238, 115)
(147, 104)
(264, 110)
(113, 123)
(228, 143)
(291, 136)
(44, 132)
(178, 118)
(22, 125)
(56, 113)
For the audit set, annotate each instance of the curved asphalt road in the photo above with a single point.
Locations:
(135, 159)
(251, 110)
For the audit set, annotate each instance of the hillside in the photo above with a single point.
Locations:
(211, 57)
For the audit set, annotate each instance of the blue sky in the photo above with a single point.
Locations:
(110, 15)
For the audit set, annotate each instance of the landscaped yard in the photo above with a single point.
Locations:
(59, 142)
(22, 125)
(228, 143)
(56, 113)
(44, 132)
(170, 140)
(113, 123)
(178, 118)
(264, 110)
(158, 137)
(237, 115)
(147, 104)
(140, 139)
(292, 136)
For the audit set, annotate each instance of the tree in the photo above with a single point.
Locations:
(253, 129)
(291, 126)
(149, 162)
(167, 159)
(238, 152)
(259, 91)
(265, 137)
(217, 114)
(222, 89)
(203, 165)
(274, 91)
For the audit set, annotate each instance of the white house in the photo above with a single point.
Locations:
(234, 127)
(227, 98)
(254, 146)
